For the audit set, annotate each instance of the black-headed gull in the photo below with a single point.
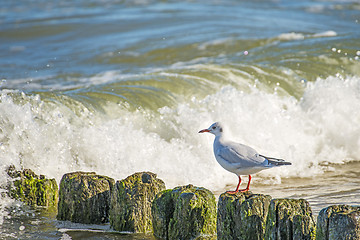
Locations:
(238, 158)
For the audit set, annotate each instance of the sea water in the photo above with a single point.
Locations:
(118, 87)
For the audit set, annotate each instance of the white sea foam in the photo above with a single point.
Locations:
(291, 36)
(321, 127)
(325, 34)
(301, 36)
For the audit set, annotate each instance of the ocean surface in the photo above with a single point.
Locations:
(118, 87)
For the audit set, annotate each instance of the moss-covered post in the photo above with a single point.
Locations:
(131, 202)
(33, 189)
(162, 211)
(242, 215)
(84, 197)
(185, 212)
(338, 222)
(290, 219)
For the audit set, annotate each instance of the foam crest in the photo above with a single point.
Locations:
(300, 36)
(321, 127)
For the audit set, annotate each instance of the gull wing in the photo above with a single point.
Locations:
(240, 155)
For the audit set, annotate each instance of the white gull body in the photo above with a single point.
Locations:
(238, 158)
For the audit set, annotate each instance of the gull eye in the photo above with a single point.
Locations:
(213, 127)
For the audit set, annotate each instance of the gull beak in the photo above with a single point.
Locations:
(204, 130)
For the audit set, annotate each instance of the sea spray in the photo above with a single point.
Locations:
(52, 140)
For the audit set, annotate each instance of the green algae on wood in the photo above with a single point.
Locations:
(290, 219)
(131, 202)
(162, 211)
(338, 222)
(185, 212)
(32, 189)
(84, 197)
(242, 215)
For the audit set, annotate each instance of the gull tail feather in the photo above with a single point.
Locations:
(276, 161)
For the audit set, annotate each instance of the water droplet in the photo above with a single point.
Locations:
(22, 228)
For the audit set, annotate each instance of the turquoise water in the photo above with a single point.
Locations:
(118, 87)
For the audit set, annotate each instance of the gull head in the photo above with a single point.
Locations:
(215, 129)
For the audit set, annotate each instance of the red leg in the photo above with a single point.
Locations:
(237, 188)
(248, 186)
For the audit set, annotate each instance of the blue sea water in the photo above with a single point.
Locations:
(118, 87)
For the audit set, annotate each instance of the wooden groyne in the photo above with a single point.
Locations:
(141, 204)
